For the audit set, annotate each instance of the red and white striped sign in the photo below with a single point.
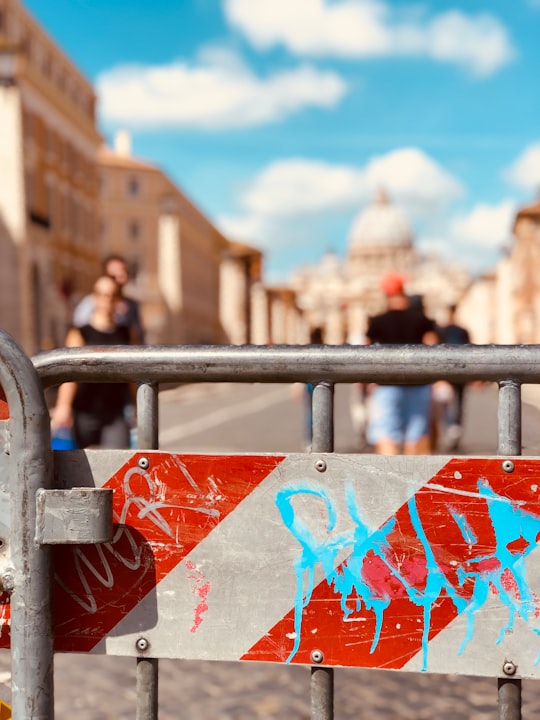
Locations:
(404, 563)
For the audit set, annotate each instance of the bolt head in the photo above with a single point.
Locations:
(317, 656)
(320, 465)
(142, 644)
(508, 466)
(7, 582)
(143, 463)
(509, 668)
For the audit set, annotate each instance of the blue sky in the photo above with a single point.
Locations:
(281, 118)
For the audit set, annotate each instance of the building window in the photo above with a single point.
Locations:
(28, 124)
(30, 183)
(133, 187)
(133, 266)
(51, 205)
(47, 65)
(134, 230)
(51, 142)
(24, 43)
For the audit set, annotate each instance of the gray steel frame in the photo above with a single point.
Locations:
(32, 460)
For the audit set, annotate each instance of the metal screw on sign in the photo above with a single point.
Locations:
(317, 656)
(7, 582)
(320, 465)
(142, 644)
(508, 466)
(509, 668)
(144, 463)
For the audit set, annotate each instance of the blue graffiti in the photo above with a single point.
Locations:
(500, 569)
(509, 523)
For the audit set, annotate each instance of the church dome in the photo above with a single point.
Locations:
(381, 224)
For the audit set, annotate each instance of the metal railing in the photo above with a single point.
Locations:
(32, 460)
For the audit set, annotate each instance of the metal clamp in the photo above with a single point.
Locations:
(81, 516)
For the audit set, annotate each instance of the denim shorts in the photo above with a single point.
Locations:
(400, 413)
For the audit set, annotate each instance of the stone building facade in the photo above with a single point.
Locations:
(253, 312)
(66, 202)
(339, 296)
(48, 184)
(174, 251)
(503, 305)
(241, 274)
(525, 262)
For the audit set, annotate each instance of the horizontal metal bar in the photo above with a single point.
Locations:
(291, 363)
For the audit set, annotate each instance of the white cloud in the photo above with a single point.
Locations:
(293, 206)
(414, 180)
(373, 28)
(479, 43)
(485, 226)
(299, 186)
(219, 91)
(287, 205)
(246, 227)
(525, 170)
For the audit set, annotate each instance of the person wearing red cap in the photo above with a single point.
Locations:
(392, 284)
(400, 414)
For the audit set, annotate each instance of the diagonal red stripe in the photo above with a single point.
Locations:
(161, 515)
(389, 598)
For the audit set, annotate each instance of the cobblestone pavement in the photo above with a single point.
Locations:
(102, 688)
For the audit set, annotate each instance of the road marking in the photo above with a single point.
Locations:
(220, 417)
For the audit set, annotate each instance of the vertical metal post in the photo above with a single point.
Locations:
(147, 417)
(509, 418)
(29, 580)
(509, 443)
(322, 678)
(323, 417)
(147, 438)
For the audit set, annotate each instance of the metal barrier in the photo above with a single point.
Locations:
(42, 515)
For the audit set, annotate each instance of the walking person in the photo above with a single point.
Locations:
(97, 412)
(400, 414)
(315, 338)
(454, 334)
(126, 312)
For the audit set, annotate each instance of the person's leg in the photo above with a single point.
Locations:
(422, 446)
(115, 434)
(86, 429)
(455, 418)
(387, 446)
(417, 413)
(384, 429)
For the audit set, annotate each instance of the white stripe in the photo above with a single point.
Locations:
(248, 560)
(220, 417)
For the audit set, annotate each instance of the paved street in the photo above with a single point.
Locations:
(270, 418)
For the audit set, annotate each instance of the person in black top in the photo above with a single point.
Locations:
(400, 414)
(454, 334)
(97, 412)
(126, 311)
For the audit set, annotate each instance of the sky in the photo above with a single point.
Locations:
(281, 119)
